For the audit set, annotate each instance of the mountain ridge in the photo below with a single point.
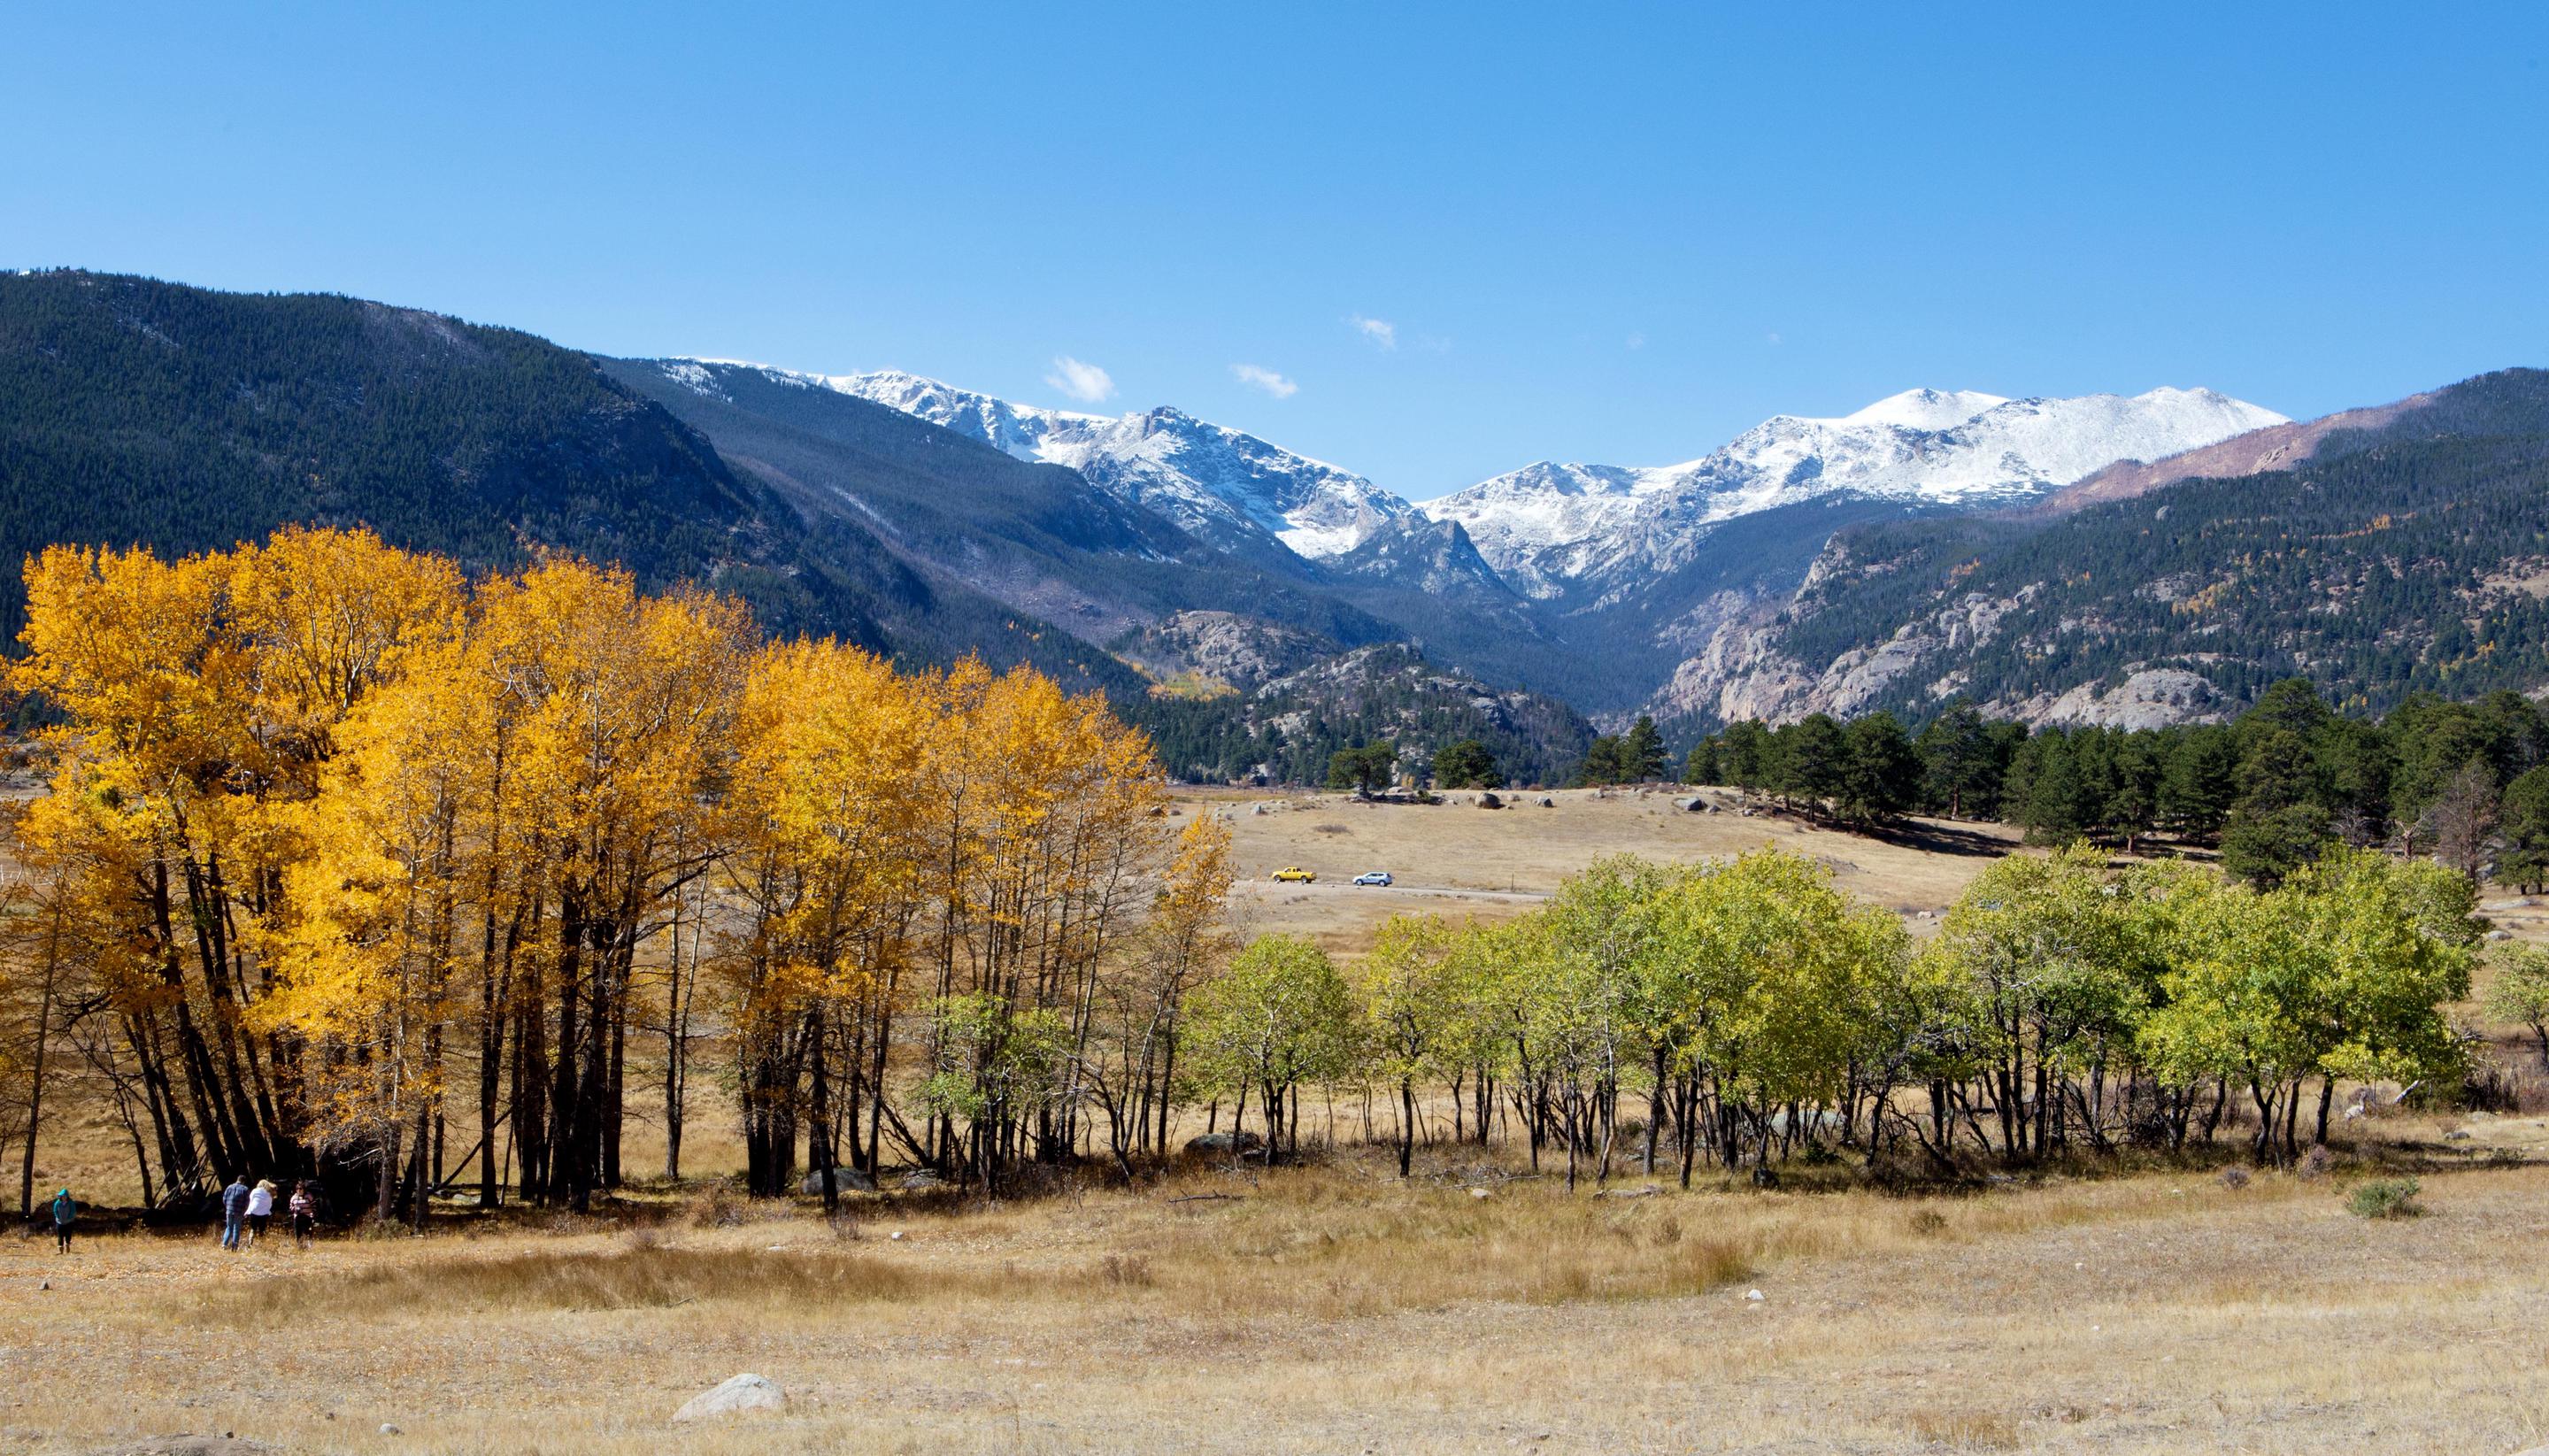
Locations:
(1222, 484)
(1923, 547)
(1556, 526)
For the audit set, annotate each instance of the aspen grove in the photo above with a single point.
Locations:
(338, 842)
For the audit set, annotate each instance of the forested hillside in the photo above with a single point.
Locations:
(133, 411)
(1287, 730)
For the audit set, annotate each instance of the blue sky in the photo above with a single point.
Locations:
(1607, 234)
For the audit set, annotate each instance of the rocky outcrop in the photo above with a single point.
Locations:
(843, 1179)
(2148, 698)
(1741, 670)
(1244, 652)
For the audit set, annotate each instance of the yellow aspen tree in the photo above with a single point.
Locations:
(824, 809)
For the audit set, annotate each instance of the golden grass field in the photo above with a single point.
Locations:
(1336, 1308)
(1457, 859)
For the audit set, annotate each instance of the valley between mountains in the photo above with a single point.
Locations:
(2129, 560)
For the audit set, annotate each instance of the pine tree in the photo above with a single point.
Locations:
(1466, 764)
(2196, 784)
(1812, 757)
(1957, 762)
(1644, 750)
(1365, 770)
(1702, 767)
(1881, 770)
(2525, 828)
(1744, 755)
(1606, 762)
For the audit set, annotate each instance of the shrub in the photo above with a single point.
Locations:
(2314, 1163)
(2235, 1177)
(718, 1204)
(2385, 1197)
(1929, 1222)
(1126, 1271)
(1706, 1264)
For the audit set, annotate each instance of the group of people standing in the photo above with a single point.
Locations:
(246, 1210)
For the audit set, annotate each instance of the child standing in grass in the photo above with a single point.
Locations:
(304, 1209)
(65, 1213)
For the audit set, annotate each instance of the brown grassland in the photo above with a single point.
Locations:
(1457, 858)
(1334, 1307)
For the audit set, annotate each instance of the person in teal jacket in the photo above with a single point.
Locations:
(65, 1214)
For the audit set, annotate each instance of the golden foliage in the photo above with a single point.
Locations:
(311, 795)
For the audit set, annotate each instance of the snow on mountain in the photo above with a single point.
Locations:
(1924, 409)
(1222, 484)
(1548, 525)
(1015, 430)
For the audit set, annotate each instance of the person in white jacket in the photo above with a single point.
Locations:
(260, 1210)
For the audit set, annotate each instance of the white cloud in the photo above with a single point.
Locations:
(1637, 340)
(1084, 382)
(1264, 379)
(1379, 331)
(1775, 341)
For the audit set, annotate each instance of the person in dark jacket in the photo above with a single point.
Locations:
(65, 1214)
(233, 1211)
(305, 1213)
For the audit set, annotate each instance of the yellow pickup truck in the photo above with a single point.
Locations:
(1294, 874)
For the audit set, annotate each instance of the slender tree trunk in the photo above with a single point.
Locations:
(1406, 1123)
(35, 1069)
(818, 1132)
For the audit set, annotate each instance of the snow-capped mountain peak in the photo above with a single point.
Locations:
(1225, 485)
(1924, 409)
(1546, 526)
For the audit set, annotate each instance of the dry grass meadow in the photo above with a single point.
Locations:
(1456, 858)
(1336, 1308)
(1333, 1308)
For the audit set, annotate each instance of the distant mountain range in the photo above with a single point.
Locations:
(1622, 567)
(2381, 551)
(2144, 559)
(1556, 529)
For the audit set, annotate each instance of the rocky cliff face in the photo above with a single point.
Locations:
(1742, 668)
(1223, 649)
